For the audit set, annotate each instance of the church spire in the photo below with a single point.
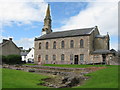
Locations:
(47, 22)
(48, 11)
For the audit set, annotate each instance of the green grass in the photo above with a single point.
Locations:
(104, 78)
(30, 64)
(21, 79)
(73, 66)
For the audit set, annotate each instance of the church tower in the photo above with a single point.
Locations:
(47, 22)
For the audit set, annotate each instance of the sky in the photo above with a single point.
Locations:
(23, 19)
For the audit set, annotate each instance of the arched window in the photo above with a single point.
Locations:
(71, 44)
(71, 57)
(62, 44)
(54, 45)
(39, 45)
(81, 43)
(46, 45)
(54, 57)
(81, 57)
(39, 58)
(62, 57)
(46, 57)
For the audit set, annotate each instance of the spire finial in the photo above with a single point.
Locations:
(48, 11)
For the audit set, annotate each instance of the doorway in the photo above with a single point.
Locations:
(39, 59)
(104, 58)
(76, 59)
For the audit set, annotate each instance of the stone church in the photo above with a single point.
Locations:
(78, 46)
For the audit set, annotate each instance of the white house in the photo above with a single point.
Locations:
(30, 55)
(27, 55)
(24, 55)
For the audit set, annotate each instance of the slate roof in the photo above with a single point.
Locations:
(100, 36)
(67, 33)
(2, 44)
(6, 42)
(24, 53)
(102, 52)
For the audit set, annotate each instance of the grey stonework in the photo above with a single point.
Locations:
(92, 41)
(8, 47)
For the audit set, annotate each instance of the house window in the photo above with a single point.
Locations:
(81, 43)
(46, 45)
(54, 45)
(46, 57)
(62, 57)
(81, 57)
(71, 57)
(62, 44)
(54, 57)
(71, 44)
(24, 57)
(39, 45)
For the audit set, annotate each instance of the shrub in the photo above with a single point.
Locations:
(11, 59)
(3, 58)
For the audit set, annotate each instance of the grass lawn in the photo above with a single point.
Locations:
(30, 64)
(20, 79)
(73, 66)
(105, 78)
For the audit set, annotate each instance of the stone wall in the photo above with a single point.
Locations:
(66, 51)
(101, 43)
(9, 48)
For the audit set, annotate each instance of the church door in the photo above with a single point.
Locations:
(76, 59)
(39, 60)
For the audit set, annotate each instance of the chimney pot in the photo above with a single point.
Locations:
(10, 39)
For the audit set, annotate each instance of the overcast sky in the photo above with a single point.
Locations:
(23, 19)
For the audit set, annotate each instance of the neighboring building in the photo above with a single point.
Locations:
(28, 55)
(24, 55)
(78, 46)
(8, 47)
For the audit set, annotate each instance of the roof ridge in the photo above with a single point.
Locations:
(74, 29)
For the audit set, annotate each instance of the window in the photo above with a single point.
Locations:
(62, 57)
(81, 57)
(39, 45)
(71, 44)
(81, 43)
(46, 57)
(39, 58)
(54, 45)
(46, 45)
(71, 57)
(62, 44)
(54, 57)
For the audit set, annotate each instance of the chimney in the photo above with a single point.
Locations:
(4, 40)
(10, 39)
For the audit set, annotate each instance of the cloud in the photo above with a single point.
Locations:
(101, 14)
(14, 11)
(104, 15)
(26, 43)
(114, 46)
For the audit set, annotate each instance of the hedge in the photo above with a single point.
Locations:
(11, 59)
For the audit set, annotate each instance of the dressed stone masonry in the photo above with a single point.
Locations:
(79, 46)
